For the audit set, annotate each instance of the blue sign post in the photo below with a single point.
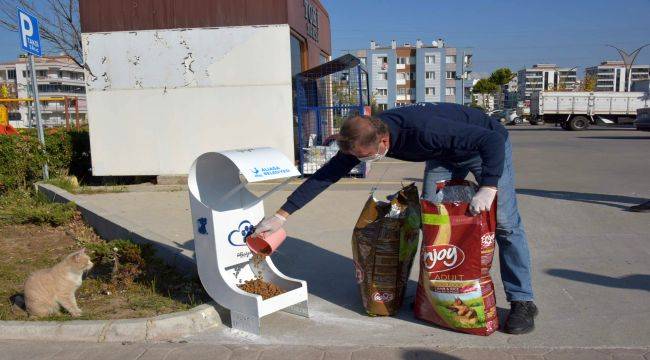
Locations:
(30, 39)
(30, 42)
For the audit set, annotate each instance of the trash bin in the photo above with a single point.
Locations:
(224, 212)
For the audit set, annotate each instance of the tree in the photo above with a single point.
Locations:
(58, 23)
(485, 86)
(502, 76)
(589, 83)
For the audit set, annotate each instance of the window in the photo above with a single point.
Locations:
(11, 74)
(451, 75)
(363, 60)
(59, 88)
(402, 60)
(382, 92)
(450, 59)
(381, 60)
(406, 76)
(323, 58)
(429, 75)
(467, 59)
(382, 106)
(429, 59)
(450, 91)
(296, 48)
(41, 73)
(401, 91)
(430, 91)
(382, 76)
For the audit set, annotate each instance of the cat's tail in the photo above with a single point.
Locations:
(18, 303)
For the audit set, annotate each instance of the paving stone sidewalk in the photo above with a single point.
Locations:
(185, 351)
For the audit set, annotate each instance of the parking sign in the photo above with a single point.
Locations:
(30, 39)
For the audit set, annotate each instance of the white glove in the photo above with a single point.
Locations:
(482, 200)
(270, 224)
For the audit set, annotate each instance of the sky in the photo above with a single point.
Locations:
(502, 33)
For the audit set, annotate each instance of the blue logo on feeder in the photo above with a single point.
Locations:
(202, 222)
(238, 237)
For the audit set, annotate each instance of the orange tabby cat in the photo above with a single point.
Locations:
(46, 289)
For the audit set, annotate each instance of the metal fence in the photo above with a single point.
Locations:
(325, 96)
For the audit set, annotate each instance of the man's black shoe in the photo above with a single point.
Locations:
(645, 207)
(521, 319)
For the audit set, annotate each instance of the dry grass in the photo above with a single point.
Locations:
(139, 286)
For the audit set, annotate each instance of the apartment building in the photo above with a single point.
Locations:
(613, 76)
(58, 78)
(410, 73)
(544, 77)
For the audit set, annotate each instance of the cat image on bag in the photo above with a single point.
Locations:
(47, 289)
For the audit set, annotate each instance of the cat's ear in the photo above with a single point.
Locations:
(77, 256)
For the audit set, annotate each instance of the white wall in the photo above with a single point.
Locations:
(159, 98)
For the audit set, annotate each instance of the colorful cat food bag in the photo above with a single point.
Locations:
(455, 289)
(384, 244)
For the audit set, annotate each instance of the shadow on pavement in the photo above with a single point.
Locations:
(329, 275)
(600, 199)
(412, 354)
(550, 127)
(616, 137)
(635, 282)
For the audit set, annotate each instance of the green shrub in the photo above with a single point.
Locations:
(22, 159)
(58, 148)
(26, 207)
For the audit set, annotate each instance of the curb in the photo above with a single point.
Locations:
(159, 328)
(112, 226)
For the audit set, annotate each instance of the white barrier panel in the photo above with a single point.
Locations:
(157, 99)
(223, 214)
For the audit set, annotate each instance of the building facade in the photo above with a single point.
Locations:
(60, 81)
(402, 75)
(544, 77)
(612, 75)
(205, 75)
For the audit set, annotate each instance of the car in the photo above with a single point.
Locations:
(507, 117)
(642, 121)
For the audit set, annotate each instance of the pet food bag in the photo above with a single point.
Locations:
(455, 289)
(384, 243)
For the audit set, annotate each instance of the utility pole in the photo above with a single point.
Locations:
(628, 61)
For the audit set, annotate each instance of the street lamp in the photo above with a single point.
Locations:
(628, 61)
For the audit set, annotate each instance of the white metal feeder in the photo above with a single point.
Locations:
(223, 214)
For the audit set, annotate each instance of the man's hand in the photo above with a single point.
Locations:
(482, 200)
(271, 224)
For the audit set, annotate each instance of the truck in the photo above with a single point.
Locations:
(577, 110)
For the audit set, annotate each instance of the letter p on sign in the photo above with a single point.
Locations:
(30, 40)
(26, 27)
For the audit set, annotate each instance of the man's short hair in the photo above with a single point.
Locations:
(360, 131)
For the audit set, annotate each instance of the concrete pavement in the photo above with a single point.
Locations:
(590, 269)
(187, 350)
